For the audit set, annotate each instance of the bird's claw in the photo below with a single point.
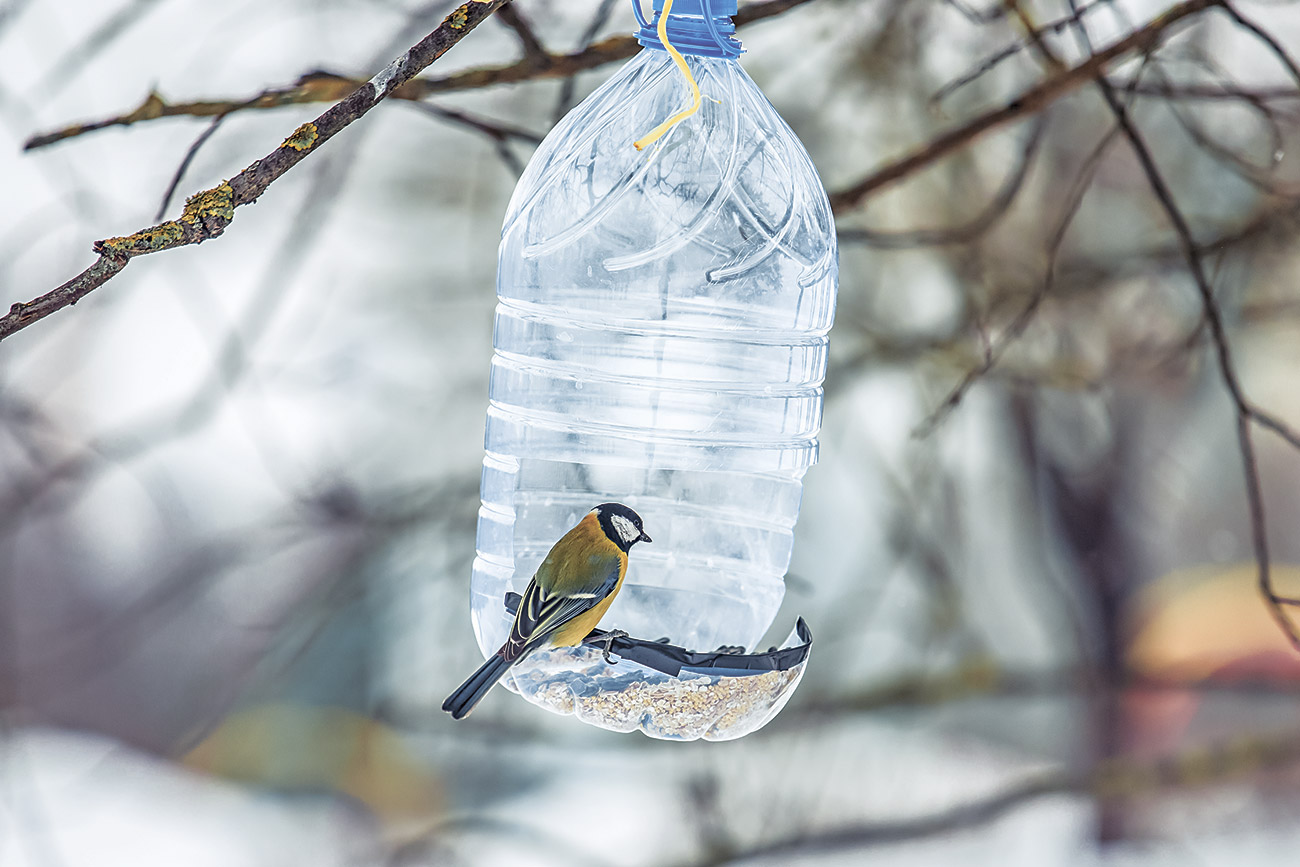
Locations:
(608, 639)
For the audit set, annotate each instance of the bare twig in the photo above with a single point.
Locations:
(490, 128)
(1261, 177)
(980, 678)
(997, 348)
(312, 87)
(991, 62)
(500, 134)
(185, 164)
(1036, 35)
(1215, 93)
(996, 12)
(10, 11)
(324, 86)
(1268, 421)
(565, 100)
(1029, 102)
(1246, 413)
(1278, 50)
(65, 68)
(972, 229)
(532, 46)
(207, 213)
(966, 815)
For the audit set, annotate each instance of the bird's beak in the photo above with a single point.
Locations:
(643, 537)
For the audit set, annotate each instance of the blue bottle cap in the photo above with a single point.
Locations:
(699, 27)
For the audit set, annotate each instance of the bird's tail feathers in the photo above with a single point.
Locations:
(471, 692)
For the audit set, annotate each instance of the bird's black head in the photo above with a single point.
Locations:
(621, 524)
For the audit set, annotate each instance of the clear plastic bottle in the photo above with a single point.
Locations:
(661, 341)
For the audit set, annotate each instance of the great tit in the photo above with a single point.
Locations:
(568, 595)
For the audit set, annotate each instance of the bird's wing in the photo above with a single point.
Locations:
(541, 613)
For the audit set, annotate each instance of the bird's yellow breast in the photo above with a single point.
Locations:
(579, 563)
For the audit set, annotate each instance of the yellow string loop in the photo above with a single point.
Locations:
(658, 132)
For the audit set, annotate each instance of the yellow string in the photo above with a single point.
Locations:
(658, 132)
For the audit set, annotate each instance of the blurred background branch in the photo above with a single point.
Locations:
(1116, 781)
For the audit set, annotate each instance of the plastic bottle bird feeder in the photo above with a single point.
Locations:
(661, 341)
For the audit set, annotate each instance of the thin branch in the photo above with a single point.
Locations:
(997, 348)
(500, 134)
(1268, 421)
(1029, 102)
(490, 128)
(207, 213)
(565, 100)
(312, 87)
(988, 64)
(21, 315)
(185, 164)
(66, 67)
(1245, 411)
(528, 41)
(1261, 177)
(967, 815)
(1216, 92)
(323, 86)
(979, 16)
(1036, 36)
(979, 678)
(10, 11)
(972, 229)
(1264, 36)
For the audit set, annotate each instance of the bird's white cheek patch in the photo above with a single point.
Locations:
(626, 529)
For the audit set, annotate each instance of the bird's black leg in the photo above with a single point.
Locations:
(607, 639)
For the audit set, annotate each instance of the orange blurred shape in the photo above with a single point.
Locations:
(1207, 624)
(302, 748)
(1212, 622)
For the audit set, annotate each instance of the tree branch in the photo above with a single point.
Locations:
(312, 87)
(528, 41)
(324, 86)
(1283, 56)
(1246, 413)
(980, 678)
(207, 213)
(1031, 101)
(991, 62)
(972, 229)
(994, 350)
(598, 20)
(185, 164)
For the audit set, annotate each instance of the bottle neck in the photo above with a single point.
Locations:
(695, 27)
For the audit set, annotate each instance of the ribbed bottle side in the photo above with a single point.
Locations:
(653, 393)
